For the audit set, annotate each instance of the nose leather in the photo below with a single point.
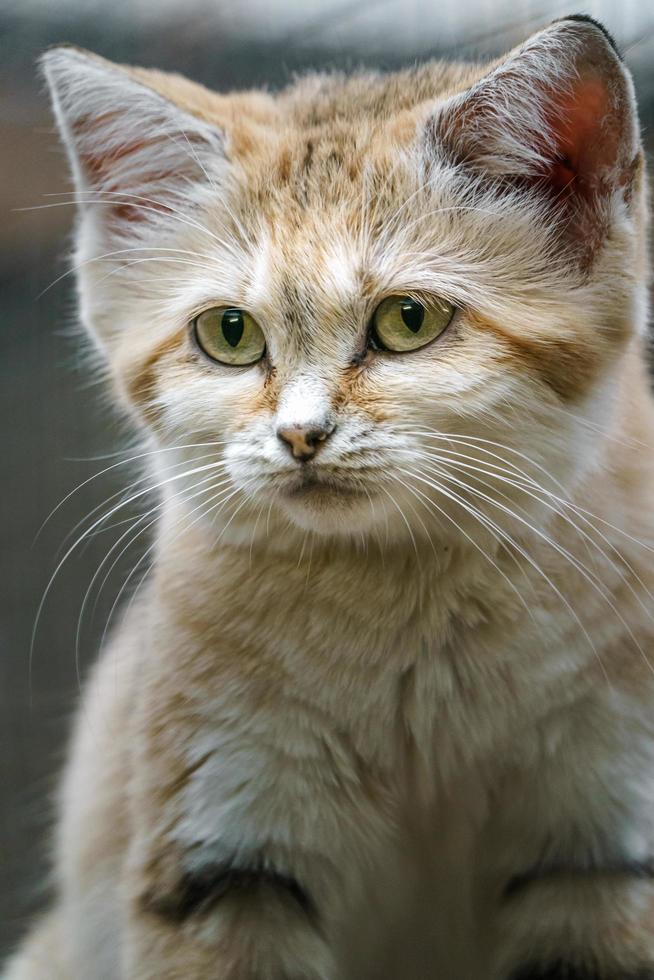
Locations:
(303, 441)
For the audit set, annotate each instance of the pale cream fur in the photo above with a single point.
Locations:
(425, 692)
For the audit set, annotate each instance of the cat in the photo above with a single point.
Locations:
(384, 707)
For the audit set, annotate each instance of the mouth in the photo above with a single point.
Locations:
(311, 486)
(329, 501)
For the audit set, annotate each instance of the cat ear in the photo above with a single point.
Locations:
(131, 149)
(558, 114)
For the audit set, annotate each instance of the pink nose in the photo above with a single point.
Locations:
(304, 441)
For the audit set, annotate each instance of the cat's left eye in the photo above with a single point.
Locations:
(401, 323)
(229, 335)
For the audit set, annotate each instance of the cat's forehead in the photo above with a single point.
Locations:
(315, 207)
(325, 134)
(329, 219)
(303, 280)
(296, 166)
(326, 99)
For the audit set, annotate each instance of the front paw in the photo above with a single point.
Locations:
(232, 921)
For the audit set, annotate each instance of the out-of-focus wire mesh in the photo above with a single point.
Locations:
(55, 422)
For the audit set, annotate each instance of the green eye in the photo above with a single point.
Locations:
(402, 324)
(229, 335)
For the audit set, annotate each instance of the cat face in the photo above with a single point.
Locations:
(382, 304)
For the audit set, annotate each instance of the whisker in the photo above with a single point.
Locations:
(105, 256)
(539, 493)
(481, 518)
(588, 575)
(204, 269)
(82, 537)
(118, 493)
(185, 527)
(565, 500)
(131, 200)
(481, 442)
(238, 509)
(408, 526)
(184, 494)
(456, 498)
(113, 466)
(254, 532)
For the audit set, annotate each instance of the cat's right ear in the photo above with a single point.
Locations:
(132, 150)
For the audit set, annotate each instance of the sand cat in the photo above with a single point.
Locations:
(384, 707)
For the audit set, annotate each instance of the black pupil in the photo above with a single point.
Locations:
(233, 326)
(412, 314)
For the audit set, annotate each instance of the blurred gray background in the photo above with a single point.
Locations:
(56, 427)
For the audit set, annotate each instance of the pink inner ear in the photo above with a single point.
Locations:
(106, 171)
(587, 147)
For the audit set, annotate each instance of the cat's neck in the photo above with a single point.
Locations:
(372, 589)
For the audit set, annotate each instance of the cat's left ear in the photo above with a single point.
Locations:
(133, 148)
(558, 116)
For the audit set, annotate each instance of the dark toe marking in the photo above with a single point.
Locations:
(200, 891)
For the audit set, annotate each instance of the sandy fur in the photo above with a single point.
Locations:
(436, 719)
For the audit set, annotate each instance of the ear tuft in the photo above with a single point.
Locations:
(586, 19)
(126, 142)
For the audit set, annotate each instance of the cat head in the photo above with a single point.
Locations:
(378, 301)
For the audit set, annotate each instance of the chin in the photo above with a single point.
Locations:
(331, 510)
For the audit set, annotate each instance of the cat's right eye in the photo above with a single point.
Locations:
(229, 335)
